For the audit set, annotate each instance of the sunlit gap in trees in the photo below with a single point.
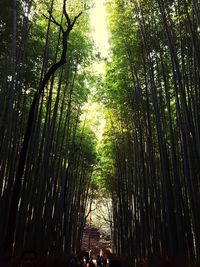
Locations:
(93, 111)
(99, 27)
(100, 35)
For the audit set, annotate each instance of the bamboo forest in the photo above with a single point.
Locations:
(100, 133)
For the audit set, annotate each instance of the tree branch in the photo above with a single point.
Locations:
(101, 216)
(75, 19)
(65, 13)
(53, 20)
(91, 210)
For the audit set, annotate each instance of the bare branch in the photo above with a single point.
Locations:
(66, 14)
(90, 210)
(75, 19)
(101, 216)
(71, 25)
(53, 20)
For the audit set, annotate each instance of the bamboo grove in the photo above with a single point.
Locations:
(46, 152)
(149, 157)
(152, 97)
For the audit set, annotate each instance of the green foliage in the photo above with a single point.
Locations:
(148, 90)
(61, 154)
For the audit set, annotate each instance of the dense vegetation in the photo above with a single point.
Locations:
(47, 152)
(148, 161)
(152, 96)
